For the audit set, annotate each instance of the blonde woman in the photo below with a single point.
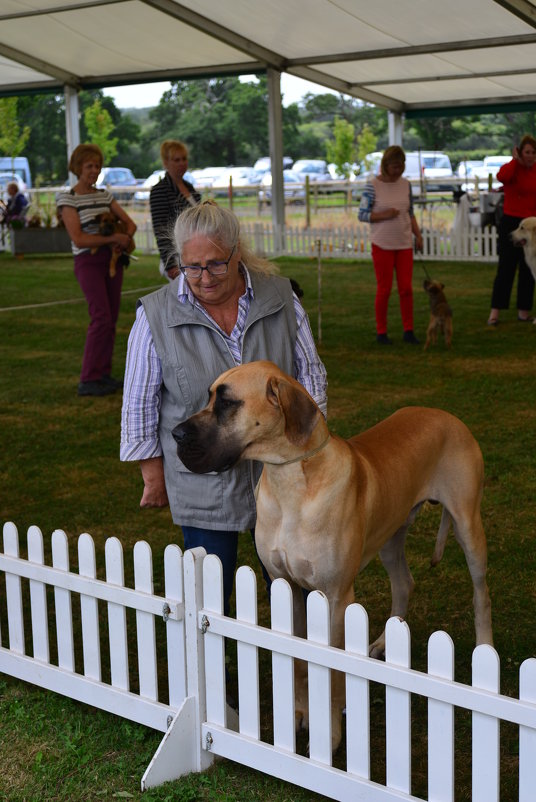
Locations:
(168, 199)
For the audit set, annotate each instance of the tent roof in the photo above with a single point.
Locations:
(404, 55)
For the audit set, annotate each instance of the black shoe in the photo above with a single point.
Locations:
(409, 337)
(117, 383)
(383, 339)
(97, 387)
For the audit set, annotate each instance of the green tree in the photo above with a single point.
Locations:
(100, 127)
(341, 150)
(13, 139)
(366, 143)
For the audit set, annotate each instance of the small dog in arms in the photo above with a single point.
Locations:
(109, 224)
(326, 506)
(440, 314)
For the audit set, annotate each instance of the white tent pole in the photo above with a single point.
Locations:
(275, 130)
(396, 127)
(72, 123)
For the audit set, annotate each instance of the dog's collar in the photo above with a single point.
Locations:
(307, 454)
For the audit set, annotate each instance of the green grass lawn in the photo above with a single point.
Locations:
(60, 469)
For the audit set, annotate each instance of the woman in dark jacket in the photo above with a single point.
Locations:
(169, 198)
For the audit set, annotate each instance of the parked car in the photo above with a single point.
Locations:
(264, 164)
(352, 169)
(205, 177)
(491, 166)
(466, 169)
(240, 176)
(143, 194)
(432, 165)
(117, 177)
(316, 169)
(293, 187)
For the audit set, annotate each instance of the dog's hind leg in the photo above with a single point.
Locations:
(394, 561)
(470, 535)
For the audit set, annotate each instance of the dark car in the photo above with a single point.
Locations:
(114, 179)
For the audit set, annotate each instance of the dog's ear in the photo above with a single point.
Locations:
(297, 406)
(441, 286)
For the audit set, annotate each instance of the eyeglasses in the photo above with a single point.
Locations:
(213, 268)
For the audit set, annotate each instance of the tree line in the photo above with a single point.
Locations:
(225, 122)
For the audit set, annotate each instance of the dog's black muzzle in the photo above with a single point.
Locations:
(198, 450)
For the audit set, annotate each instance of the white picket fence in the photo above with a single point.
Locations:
(196, 720)
(352, 242)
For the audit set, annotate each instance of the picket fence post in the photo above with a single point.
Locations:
(440, 722)
(398, 709)
(356, 640)
(180, 751)
(527, 736)
(485, 729)
(283, 669)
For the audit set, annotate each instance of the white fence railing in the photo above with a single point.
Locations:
(196, 720)
(352, 242)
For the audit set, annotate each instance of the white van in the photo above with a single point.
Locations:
(432, 165)
(18, 165)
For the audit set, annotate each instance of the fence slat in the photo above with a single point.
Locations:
(283, 668)
(318, 631)
(214, 644)
(175, 635)
(356, 639)
(527, 736)
(117, 616)
(398, 710)
(38, 598)
(440, 722)
(247, 655)
(15, 620)
(62, 602)
(89, 609)
(145, 624)
(485, 729)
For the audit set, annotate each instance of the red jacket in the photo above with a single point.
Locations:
(519, 189)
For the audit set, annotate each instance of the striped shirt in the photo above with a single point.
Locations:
(89, 207)
(143, 371)
(167, 203)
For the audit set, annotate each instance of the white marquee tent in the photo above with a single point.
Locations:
(407, 56)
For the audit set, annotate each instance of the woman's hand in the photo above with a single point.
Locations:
(390, 214)
(154, 491)
(121, 240)
(418, 242)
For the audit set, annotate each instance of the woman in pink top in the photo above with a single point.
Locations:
(387, 205)
(519, 180)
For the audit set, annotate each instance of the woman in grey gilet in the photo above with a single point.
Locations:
(225, 308)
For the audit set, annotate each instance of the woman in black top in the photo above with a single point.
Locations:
(169, 198)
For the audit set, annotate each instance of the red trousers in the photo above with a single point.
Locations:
(385, 264)
(103, 295)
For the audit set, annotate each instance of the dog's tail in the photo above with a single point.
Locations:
(441, 539)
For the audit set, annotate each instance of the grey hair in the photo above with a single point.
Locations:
(219, 225)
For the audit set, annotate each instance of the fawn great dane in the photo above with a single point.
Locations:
(326, 506)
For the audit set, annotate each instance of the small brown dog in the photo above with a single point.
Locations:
(440, 313)
(109, 224)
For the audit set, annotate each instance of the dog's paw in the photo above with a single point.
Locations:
(301, 719)
(377, 649)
